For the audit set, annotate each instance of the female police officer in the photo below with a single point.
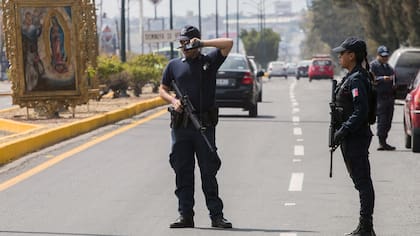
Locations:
(195, 76)
(354, 134)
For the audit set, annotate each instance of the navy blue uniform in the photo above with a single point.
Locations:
(351, 95)
(385, 98)
(197, 79)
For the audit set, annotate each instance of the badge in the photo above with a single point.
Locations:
(355, 92)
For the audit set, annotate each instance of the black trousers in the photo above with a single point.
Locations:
(355, 151)
(384, 112)
(186, 144)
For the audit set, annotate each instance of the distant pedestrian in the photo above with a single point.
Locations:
(195, 76)
(385, 87)
(354, 134)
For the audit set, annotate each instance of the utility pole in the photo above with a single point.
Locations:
(199, 15)
(171, 26)
(217, 19)
(123, 38)
(128, 26)
(141, 28)
(237, 26)
(227, 19)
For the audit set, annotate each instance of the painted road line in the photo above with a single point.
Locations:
(290, 204)
(295, 104)
(296, 182)
(296, 119)
(297, 131)
(295, 110)
(299, 150)
(37, 169)
(300, 140)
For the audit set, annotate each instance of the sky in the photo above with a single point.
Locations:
(180, 7)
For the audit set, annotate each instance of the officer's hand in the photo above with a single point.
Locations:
(339, 135)
(176, 103)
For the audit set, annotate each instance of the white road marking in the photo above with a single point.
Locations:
(290, 204)
(297, 131)
(288, 234)
(296, 182)
(299, 150)
(295, 104)
(295, 119)
(300, 139)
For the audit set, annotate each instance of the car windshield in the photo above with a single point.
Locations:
(234, 63)
(278, 66)
(322, 63)
(409, 59)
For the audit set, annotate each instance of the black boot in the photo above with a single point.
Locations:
(221, 222)
(383, 146)
(365, 228)
(183, 222)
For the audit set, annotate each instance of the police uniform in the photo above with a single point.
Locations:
(385, 98)
(197, 79)
(354, 134)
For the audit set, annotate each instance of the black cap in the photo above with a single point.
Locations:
(188, 32)
(351, 44)
(383, 51)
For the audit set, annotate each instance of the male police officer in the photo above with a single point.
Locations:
(384, 83)
(195, 76)
(354, 134)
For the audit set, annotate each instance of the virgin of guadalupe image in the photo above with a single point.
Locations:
(58, 53)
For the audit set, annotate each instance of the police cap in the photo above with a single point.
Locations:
(189, 32)
(352, 44)
(383, 51)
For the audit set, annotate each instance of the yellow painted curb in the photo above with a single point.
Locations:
(15, 127)
(15, 149)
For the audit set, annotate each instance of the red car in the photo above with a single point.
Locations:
(321, 67)
(412, 115)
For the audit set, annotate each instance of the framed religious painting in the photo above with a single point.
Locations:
(50, 45)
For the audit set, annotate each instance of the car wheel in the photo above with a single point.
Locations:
(415, 140)
(260, 97)
(407, 138)
(253, 110)
(407, 141)
(297, 77)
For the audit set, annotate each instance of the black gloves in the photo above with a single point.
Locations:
(339, 135)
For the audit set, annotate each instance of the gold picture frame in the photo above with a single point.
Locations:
(50, 45)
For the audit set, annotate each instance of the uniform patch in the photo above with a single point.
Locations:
(355, 92)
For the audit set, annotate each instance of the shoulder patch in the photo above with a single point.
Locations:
(355, 92)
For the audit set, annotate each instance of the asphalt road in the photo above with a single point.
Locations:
(273, 181)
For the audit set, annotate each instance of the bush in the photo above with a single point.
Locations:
(145, 69)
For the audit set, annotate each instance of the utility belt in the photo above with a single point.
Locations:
(207, 119)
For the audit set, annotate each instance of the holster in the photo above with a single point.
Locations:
(177, 119)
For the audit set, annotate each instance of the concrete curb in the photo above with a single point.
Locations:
(12, 150)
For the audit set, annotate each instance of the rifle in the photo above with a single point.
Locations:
(333, 124)
(189, 111)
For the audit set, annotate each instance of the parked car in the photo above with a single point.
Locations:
(412, 115)
(321, 67)
(302, 68)
(291, 68)
(406, 62)
(239, 84)
(277, 68)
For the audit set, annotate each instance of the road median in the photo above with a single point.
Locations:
(14, 149)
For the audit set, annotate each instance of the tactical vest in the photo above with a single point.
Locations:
(344, 98)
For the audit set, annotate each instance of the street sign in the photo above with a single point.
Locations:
(161, 36)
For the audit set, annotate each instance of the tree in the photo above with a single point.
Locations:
(263, 45)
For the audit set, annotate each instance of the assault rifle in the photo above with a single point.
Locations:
(190, 113)
(334, 122)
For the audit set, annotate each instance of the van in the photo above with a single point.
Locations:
(406, 63)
